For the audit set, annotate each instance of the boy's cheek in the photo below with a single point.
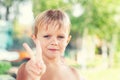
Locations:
(64, 45)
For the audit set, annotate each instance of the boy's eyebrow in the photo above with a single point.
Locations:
(62, 34)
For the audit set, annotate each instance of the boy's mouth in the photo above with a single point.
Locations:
(53, 49)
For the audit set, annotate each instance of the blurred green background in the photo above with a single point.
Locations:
(95, 28)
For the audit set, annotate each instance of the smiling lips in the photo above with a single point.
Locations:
(53, 49)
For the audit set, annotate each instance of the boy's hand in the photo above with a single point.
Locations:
(35, 66)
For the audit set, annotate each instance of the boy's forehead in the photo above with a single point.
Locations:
(54, 28)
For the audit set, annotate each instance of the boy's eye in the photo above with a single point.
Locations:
(61, 37)
(46, 36)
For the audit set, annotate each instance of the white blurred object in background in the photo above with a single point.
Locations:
(8, 55)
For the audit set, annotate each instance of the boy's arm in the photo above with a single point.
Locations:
(22, 73)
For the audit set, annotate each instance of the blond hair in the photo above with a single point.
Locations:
(54, 18)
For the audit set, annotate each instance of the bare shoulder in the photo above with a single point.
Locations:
(77, 73)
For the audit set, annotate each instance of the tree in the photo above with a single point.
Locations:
(98, 17)
(41, 5)
(8, 4)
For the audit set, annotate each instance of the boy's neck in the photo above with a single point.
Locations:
(54, 61)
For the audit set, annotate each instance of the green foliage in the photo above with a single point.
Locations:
(98, 16)
(4, 66)
(118, 43)
(117, 60)
(41, 5)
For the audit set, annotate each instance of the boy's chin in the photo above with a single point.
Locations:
(53, 56)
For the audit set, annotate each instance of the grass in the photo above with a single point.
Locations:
(101, 74)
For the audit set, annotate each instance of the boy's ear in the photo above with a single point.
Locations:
(69, 38)
(33, 36)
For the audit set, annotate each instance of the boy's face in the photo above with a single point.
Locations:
(53, 41)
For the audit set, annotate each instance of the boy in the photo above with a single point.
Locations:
(51, 36)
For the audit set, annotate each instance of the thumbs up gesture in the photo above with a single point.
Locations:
(35, 66)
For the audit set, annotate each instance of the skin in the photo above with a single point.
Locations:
(48, 64)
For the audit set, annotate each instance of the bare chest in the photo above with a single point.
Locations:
(59, 75)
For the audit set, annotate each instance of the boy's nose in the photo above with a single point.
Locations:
(54, 41)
